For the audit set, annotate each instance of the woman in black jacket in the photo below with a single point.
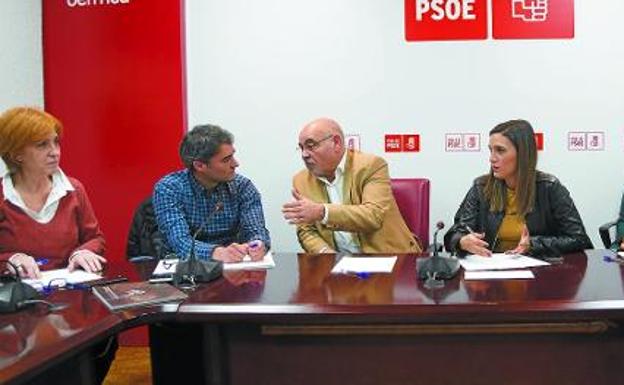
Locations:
(516, 208)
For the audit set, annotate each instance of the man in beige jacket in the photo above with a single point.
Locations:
(343, 201)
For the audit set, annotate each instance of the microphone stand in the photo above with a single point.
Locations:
(194, 270)
(435, 269)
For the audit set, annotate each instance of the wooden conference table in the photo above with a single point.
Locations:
(299, 324)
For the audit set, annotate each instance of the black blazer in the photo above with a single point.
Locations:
(555, 226)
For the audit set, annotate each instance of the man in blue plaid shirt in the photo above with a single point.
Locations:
(211, 200)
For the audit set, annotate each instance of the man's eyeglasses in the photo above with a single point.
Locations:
(311, 144)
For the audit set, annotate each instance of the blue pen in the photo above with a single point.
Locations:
(608, 258)
(254, 244)
(42, 261)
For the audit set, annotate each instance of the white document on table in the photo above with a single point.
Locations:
(499, 261)
(168, 266)
(498, 274)
(61, 277)
(265, 263)
(365, 265)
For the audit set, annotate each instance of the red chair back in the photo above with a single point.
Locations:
(412, 197)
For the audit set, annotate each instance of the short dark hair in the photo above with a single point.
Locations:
(202, 143)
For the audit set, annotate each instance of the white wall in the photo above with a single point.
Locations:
(263, 68)
(21, 71)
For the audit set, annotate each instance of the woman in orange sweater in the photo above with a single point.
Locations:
(45, 216)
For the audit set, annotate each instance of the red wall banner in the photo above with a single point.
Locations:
(114, 74)
(468, 19)
(445, 20)
(533, 19)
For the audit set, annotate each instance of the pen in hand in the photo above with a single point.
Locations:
(478, 234)
(475, 244)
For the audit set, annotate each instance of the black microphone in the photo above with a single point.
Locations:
(14, 293)
(193, 270)
(436, 269)
(217, 207)
(439, 226)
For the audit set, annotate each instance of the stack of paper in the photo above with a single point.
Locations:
(499, 261)
(499, 274)
(168, 266)
(60, 277)
(266, 263)
(499, 266)
(364, 265)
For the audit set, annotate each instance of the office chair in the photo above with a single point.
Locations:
(412, 197)
(144, 238)
(605, 230)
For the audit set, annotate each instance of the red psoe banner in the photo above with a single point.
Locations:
(533, 19)
(445, 20)
(114, 74)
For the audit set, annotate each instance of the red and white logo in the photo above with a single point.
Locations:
(530, 11)
(393, 143)
(411, 143)
(533, 19)
(402, 143)
(445, 20)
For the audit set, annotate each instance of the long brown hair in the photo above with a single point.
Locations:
(521, 135)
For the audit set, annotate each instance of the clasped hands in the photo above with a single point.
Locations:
(236, 252)
(302, 211)
(89, 261)
(474, 243)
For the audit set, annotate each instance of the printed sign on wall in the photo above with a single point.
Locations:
(533, 19)
(352, 142)
(411, 143)
(393, 143)
(402, 143)
(445, 20)
(468, 19)
(586, 141)
(469, 142)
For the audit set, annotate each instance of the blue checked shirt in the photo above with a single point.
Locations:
(182, 205)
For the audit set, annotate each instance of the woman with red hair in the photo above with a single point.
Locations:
(44, 215)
